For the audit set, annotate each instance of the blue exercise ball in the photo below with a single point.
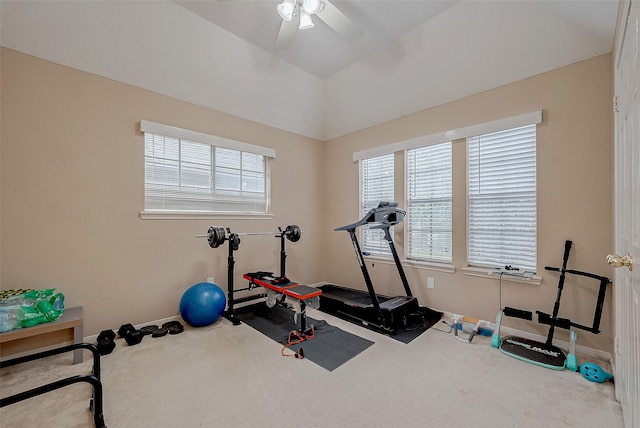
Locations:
(202, 304)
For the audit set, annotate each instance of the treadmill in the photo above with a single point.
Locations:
(387, 314)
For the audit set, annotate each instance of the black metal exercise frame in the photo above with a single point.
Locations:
(234, 244)
(95, 404)
(553, 320)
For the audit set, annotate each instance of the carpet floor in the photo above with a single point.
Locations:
(234, 376)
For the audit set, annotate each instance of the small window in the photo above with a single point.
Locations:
(196, 175)
(377, 185)
(502, 199)
(429, 227)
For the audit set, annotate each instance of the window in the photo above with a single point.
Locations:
(191, 172)
(502, 199)
(429, 203)
(377, 185)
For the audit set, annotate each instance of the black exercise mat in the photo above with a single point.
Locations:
(329, 348)
(424, 320)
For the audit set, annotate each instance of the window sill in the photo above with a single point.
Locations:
(491, 273)
(439, 267)
(378, 259)
(183, 215)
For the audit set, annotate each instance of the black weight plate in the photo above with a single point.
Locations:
(159, 332)
(148, 329)
(221, 236)
(293, 233)
(235, 241)
(212, 237)
(174, 327)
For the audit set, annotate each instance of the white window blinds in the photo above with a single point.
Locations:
(502, 199)
(190, 176)
(377, 185)
(429, 203)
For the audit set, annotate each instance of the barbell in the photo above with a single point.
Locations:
(216, 235)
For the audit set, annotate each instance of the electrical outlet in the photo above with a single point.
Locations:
(211, 279)
(431, 282)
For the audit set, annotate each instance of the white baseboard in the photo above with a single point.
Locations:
(94, 337)
(317, 284)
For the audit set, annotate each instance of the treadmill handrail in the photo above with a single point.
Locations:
(385, 214)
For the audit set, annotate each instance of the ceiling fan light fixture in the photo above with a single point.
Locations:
(285, 9)
(312, 6)
(305, 21)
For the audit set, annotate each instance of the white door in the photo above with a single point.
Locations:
(626, 287)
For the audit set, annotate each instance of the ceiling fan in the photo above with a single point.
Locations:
(297, 14)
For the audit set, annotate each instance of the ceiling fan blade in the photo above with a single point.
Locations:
(339, 22)
(285, 35)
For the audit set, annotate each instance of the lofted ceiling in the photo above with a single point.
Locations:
(222, 54)
(320, 50)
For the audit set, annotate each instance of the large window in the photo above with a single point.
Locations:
(377, 185)
(202, 173)
(502, 199)
(429, 203)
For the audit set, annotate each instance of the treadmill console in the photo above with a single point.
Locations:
(385, 214)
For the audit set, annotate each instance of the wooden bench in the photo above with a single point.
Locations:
(68, 327)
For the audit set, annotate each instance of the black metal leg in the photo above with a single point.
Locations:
(303, 316)
(94, 379)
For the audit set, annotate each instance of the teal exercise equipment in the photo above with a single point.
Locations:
(594, 373)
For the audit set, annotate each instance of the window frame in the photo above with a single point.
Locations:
(456, 135)
(366, 235)
(518, 258)
(148, 128)
(444, 146)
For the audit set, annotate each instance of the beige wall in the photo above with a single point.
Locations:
(72, 189)
(575, 181)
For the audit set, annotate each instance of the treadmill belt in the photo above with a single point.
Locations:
(348, 304)
(344, 294)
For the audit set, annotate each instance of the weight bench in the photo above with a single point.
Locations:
(282, 285)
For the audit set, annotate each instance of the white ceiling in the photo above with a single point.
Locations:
(320, 50)
(221, 54)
